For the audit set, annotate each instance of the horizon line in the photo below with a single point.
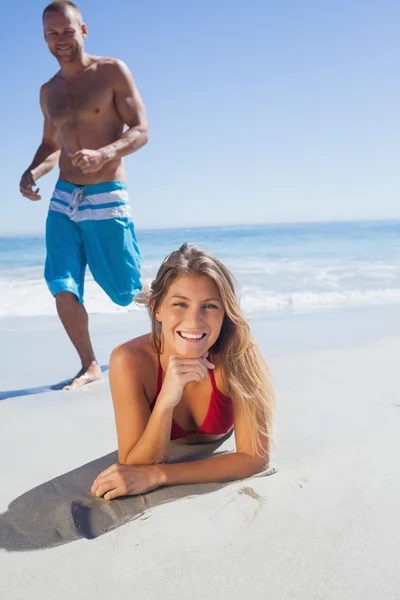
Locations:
(5, 234)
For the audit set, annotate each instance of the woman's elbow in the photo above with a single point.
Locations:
(258, 464)
(126, 455)
(123, 457)
(129, 458)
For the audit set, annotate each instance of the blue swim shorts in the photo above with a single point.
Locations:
(92, 226)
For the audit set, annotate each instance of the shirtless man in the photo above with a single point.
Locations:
(86, 107)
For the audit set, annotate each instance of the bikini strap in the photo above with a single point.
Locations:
(160, 375)
(213, 382)
(214, 386)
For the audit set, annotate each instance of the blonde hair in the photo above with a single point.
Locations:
(242, 363)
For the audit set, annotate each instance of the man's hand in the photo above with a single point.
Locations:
(26, 186)
(88, 161)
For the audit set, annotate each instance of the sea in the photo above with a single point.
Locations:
(279, 269)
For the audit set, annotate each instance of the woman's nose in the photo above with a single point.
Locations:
(195, 317)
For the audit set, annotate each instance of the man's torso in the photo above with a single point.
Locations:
(83, 110)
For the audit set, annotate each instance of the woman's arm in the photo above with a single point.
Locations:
(143, 435)
(245, 462)
(237, 465)
(121, 480)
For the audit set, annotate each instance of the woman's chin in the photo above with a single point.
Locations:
(191, 352)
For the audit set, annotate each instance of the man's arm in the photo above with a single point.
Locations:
(46, 156)
(130, 107)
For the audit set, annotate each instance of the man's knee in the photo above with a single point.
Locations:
(66, 299)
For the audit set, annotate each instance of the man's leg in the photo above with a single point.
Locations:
(75, 319)
(113, 258)
(65, 273)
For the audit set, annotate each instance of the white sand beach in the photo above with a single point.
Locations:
(325, 526)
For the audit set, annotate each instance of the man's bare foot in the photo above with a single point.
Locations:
(86, 375)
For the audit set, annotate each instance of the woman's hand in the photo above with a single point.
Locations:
(181, 371)
(127, 480)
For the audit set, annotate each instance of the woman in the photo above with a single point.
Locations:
(197, 375)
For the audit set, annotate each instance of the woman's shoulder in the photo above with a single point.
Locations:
(137, 352)
(133, 365)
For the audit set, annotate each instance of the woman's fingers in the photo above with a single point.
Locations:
(182, 366)
(192, 376)
(107, 476)
(197, 362)
(111, 495)
(198, 369)
(104, 488)
(127, 480)
(208, 364)
(100, 479)
(116, 485)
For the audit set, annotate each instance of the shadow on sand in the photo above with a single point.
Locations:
(63, 510)
(40, 389)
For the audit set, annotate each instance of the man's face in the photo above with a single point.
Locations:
(64, 34)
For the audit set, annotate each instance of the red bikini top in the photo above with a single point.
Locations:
(219, 418)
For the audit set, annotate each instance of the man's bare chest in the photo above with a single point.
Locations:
(69, 102)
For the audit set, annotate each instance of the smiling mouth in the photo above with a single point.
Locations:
(194, 337)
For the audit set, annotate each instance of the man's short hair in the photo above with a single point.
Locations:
(61, 6)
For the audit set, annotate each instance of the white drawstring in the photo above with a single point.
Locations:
(77, 196)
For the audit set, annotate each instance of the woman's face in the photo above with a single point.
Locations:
(191, 316)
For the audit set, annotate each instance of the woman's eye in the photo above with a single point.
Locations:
(180, 304)
(210, 306)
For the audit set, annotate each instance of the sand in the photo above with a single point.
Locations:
(325, 525)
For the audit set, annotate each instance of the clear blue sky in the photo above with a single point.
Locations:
(259, 111)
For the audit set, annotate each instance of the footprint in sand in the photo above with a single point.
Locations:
(236, 513)
(220, 518)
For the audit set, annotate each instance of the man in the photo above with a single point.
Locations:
(86, 107)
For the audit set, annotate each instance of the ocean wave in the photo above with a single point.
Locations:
(24, 297)
(316, 268)
(259, 301)
(30, 297)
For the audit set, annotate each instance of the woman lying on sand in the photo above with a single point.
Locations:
(197, 375)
